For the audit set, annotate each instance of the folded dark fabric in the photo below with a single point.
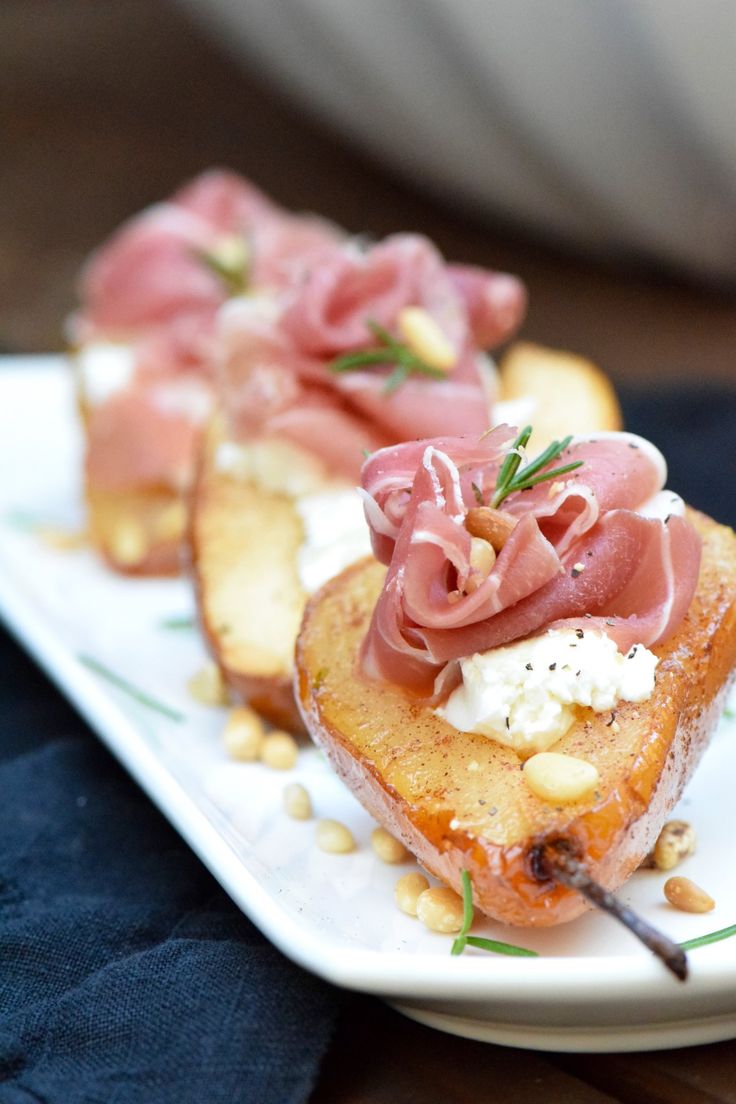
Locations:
(126, 975)
(695, 427)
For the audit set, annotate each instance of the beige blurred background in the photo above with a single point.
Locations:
(106, 105)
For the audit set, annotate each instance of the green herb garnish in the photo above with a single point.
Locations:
(463, 940)
(177, 623)
(389, 351)
(711, 937)
(128, 688)
(512, 477)
(22, 519)
(230, 261)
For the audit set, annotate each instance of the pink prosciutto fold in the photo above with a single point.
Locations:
(148, 287)
(601, 548)
(276, 364)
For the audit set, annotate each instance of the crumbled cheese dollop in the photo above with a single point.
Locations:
(105, 369)
(335, 535)
(524, 694)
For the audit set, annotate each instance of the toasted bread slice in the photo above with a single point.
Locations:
(459, 801)
(245, 537)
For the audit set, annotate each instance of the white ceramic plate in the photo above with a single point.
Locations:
(592, 988)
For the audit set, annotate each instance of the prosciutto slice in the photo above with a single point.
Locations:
(149, 288)
(579, 553)
(329, 313)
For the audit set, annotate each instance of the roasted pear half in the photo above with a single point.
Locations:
(460, 801)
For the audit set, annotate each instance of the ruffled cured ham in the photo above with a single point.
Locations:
(579, 550)
(284, 369)
(157, 285)
(475, 561)
(145, 335)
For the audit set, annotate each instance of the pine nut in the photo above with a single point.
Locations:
(297, 802)
(243, 734)
(676, 841)
(61, 540)
(559, 778)
(425, 338)
(388, 849)
(490, 525)
(128, 544)
(482, 558)
(408, 890)
(170, 523)
(279, 750)
(686, 896)
(207, 686)
(334, 837)
(440, 909)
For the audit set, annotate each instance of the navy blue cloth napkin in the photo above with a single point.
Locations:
(126, 975)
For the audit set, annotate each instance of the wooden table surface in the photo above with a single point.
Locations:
(106, 105)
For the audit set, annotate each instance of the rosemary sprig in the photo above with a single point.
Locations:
(463, 940)
(230, 261)
(512, 477)
(177, 623)
(389, 351)
(129, 689)
(711, 937)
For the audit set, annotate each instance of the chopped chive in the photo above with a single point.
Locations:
(711, 937)
(177, 623)
(463, 940)
(128, 688)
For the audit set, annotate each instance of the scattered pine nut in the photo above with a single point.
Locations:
(676, 842)
(207, 685)
(408, 890)
(243, 734)
(279, 750)
(491, 525)
(334, 837)
(686, 896)
(61, 540)
(555, 777)
(425, 338)
(297, 802)
(128, 544)
(482, 558)
(388, 849)
(440, 909)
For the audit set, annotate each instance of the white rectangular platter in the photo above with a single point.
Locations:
(592, 986)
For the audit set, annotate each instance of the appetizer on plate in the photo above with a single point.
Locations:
(142, 342)
(523, 679)
(377, 343)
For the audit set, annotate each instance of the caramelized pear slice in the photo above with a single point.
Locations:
(459, 801)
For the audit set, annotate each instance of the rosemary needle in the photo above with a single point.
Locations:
(388, 351)
(711, 937)
(177, 623)
(463, 940)
(512, 477)
(128, 688)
